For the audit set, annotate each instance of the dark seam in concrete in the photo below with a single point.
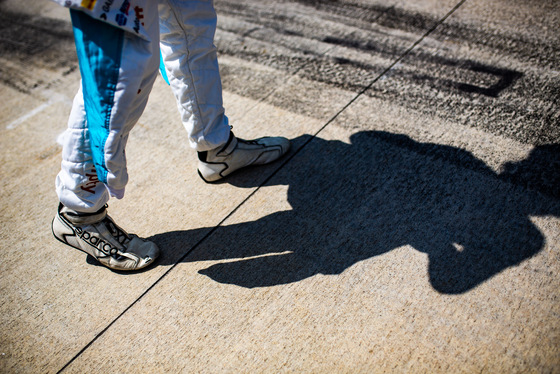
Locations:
(264, 182)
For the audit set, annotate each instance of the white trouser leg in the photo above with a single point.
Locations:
(77, 184)
(118, 70)
(187, 31)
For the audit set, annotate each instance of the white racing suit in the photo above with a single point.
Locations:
(118, 67)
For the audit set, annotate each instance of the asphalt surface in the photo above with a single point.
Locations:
(413, 227)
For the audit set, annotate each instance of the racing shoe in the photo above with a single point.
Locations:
(97, 235)
(237, 153)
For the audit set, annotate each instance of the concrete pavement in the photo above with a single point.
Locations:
(414, 226)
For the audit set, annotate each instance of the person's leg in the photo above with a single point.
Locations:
(77, 184)
(187, 31)
(118, 70)
(186, 41)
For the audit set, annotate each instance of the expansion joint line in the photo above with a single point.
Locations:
(286, 161)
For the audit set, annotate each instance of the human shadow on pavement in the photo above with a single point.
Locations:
(353, 202)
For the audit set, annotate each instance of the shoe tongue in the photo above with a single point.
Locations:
(78, 218)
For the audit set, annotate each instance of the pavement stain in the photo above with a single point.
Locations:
(31, 42)
(437, 75)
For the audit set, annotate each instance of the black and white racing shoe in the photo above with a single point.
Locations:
(237, 153)
(97, 235)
